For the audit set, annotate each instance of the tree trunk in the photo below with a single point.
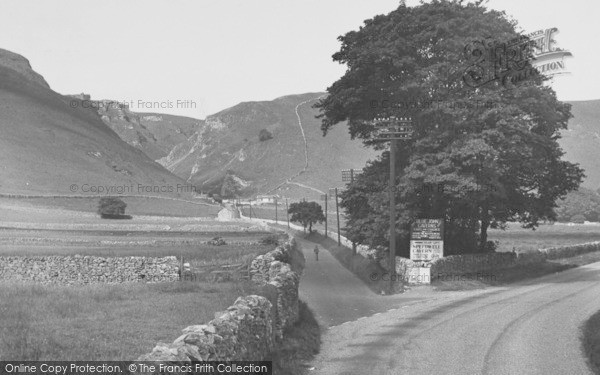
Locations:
(310, 227)
(485, 223)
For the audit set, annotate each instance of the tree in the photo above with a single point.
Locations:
(306, 213)
(583, 202)
(230, 188)
(578, 219)
(482, 154)
(112, 208)
(264, 135)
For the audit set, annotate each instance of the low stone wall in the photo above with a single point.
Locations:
(80, 269)
(466, 264)
(243, 332)
(273, 269)
(571, 251)
(250, 328)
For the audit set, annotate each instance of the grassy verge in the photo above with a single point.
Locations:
(482, 279)
(357, 264)
(511, 275)
(591, 341)
(300, 344)
(103, 322)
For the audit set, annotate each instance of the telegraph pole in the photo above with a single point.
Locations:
(337, 212)
(287, 214)
(391, 129)
(325, 198)
(348, 176)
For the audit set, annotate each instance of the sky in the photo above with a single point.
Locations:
(197, 57)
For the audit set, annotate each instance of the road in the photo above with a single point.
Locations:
(526, 328)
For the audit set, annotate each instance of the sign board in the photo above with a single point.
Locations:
(350, 174)
(427, 239)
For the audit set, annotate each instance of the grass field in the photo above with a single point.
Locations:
(104, 322)
(116, 322)
(135, 205)
(544, 236)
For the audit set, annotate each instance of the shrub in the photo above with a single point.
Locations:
(217, 241)
(579, 219)
(112, 208)
(264, 135)
(271, 239)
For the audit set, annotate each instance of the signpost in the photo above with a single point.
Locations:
(325, 198)
(348, 175)
(392, 129)
(427, 239)
(337, 212)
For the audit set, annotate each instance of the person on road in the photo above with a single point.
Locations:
(317, 252)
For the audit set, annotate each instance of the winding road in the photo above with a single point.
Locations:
(531, 327)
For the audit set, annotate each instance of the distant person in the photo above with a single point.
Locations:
(317, 252)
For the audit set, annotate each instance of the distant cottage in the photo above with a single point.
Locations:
(267, 199)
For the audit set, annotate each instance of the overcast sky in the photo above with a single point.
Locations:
(217, 53)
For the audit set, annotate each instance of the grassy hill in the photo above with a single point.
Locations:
(581, 142)
(48, 142)
(155, 134)
(228, 142)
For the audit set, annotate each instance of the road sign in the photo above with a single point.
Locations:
(427, 239)
(348, 175)
(391, 128)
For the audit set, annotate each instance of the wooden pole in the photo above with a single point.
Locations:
(326, 199)
(337, 212)
(351, 182)
(392, 214)
(287, 213)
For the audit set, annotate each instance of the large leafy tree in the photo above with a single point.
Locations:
(306, 213)
(483, 153)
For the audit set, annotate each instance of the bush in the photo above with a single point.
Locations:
(112, 208)
(271, 239)
(217, 241)
(264, 135)
(579, 219)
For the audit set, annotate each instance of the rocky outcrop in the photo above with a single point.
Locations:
(22, 66)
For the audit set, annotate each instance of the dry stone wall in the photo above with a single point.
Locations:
(469, 263)
(80, 269)
(251, 327)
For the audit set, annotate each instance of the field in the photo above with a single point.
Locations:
(514, 237)
(136, 206)
(116, 322)
(544, 236)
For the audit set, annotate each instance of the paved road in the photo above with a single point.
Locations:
(336, 296)
(527, 328)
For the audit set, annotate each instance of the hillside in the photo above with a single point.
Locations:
(155, 134)
(49, 143)
(228, 142)
(581, 142)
